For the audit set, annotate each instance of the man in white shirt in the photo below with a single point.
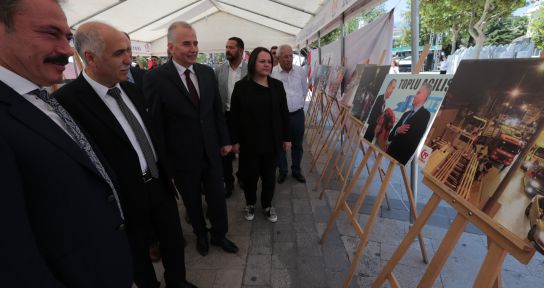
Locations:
(113, 112)
(296, 86)
(60, 213)
(227, 75)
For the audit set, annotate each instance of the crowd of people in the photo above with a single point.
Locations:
(91, 173)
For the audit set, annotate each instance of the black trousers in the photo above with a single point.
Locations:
(160, 215)
(257, 166)
(228, 176)
(211, 180)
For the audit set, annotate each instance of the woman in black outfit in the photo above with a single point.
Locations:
(260, 129)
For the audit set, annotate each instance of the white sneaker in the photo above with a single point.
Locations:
(249, 213)
(271, 215)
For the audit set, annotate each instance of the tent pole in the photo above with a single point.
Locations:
(415, 57)
(319, 47)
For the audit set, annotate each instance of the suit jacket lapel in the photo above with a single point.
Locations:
(176, 79)
(37, 121)
(142, 111)
(203, 86)
(98, 108)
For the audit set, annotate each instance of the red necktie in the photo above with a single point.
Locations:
(191, 87)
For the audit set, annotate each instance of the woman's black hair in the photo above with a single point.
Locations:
(253, 60)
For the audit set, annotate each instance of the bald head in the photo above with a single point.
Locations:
(89, 38)
(106, 52)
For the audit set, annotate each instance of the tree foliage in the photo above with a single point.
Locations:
(537, 28)
(456, 17)
(506, 29)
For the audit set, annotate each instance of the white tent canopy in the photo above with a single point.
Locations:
(257, 22)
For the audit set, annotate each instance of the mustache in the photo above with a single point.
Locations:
(58, 59)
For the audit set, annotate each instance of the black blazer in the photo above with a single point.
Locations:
(59, 220)
(82, 102)
(376, 111)
(244, 111)
(192, 134)
(138, 75)
(403, 147)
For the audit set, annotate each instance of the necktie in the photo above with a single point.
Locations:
(191, 87)
(79, 138)
(138, 130)
(410, 114)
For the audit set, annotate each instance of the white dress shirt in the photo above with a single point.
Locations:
(235, 75)
(181, 71)
(295, 84)
(111, 103)
(24, 87)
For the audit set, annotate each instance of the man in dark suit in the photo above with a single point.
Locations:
(60, 211)
(114, 115)
(135, 74)
(186, 102)
(377, 110)
(407, 133)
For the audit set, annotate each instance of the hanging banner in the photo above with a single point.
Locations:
(140, 48)
(372, 44)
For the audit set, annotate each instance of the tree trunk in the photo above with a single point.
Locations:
(454, 36)
(476, 30)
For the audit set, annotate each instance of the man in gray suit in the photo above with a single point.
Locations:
(228, 74)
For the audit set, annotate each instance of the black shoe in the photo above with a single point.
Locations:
(189, 285)
(229, 187)
(226, 244)
(202, 245)
(299, 178)
(281, 178)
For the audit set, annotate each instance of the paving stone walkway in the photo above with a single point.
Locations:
(288, 253)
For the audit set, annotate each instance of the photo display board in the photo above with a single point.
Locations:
(335, 80)
(487, 132)
(402, 112)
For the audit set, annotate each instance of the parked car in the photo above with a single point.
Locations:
(534, 158)
(405, 65)
(535, 213)
(533, 181)
(506, 150)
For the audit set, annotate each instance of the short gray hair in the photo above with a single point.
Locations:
(172, 28)
(281, 47)
(8, 8)
(429, 88)
(89, 40)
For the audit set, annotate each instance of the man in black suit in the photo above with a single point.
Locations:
(62, 221)
(186, 101)
(377, 110)
(407, 133)
(114, 115)
(135, 74)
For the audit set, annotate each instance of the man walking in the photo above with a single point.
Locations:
(296, 86)
(186, 101)
(227, 75)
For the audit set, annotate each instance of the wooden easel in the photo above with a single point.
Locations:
(353, 212)
(333, 135)
(347, 150)
(312, 108)
(500, 240)
(318, 132)
(313, 112)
